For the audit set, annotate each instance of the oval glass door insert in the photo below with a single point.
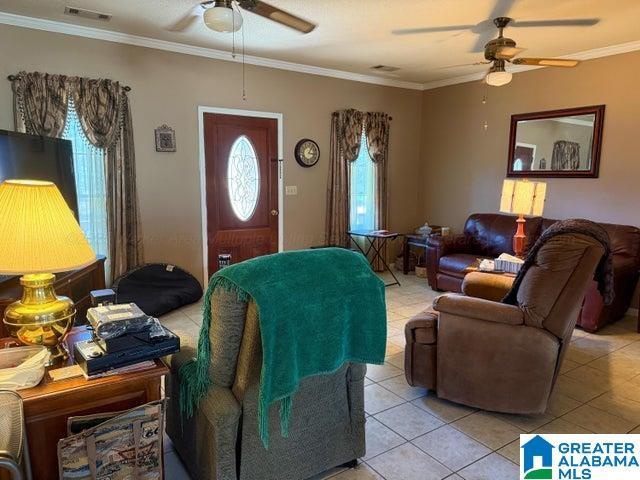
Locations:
(243, 178)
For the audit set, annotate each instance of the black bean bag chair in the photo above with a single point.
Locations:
(157, 288)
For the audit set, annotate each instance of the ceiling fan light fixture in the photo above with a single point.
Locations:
(497, 75)
(222, 18)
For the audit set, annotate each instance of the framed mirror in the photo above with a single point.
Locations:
(557, 143)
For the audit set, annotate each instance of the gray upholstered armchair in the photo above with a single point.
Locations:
(501, 357)
(221, 440)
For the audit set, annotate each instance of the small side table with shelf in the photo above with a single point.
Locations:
(48, 405)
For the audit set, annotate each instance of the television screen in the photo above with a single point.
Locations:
(31, 157)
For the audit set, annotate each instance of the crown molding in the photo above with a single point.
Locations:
(139, 41)
(585, 55)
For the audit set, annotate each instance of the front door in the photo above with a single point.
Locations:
(241, 174)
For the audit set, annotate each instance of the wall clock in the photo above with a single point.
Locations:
(307, 152)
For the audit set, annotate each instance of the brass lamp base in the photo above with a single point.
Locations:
(41, 317)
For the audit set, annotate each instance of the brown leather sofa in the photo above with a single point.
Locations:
(487, 235)
(500, 357)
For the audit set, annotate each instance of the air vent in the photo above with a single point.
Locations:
(384, 68)
(79, 12)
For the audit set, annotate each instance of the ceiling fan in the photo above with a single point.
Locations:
(502, 50)
(221, 16)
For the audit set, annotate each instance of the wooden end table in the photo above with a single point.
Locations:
(416, 240)
(48, 405)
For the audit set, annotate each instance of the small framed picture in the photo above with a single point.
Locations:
(165, 139)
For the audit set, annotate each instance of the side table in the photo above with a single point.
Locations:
(415, 240)
(48, 405)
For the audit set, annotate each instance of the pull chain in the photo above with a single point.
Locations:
(244, 91)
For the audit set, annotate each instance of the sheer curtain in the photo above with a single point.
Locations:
(362, 207)
(89, 166)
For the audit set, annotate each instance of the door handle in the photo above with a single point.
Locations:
(274, 213)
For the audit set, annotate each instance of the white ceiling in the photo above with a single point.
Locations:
(353, 35)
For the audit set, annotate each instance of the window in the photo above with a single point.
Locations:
(91, 186)
(363, 190)
(243, 178)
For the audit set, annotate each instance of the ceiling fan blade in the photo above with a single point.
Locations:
(187, 21)
(273, 13)
(501, 8)
(569, 22)
(507, 53)
(546, 62)
(445, 28)
(483, 39)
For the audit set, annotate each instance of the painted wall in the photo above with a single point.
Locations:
(168, 87)
(464, 163)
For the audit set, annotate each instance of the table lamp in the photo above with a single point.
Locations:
(38, 236)
(522, 197)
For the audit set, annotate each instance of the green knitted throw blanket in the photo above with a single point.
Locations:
(317, 310)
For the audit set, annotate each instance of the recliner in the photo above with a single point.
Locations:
(221, 440)
(502, 357)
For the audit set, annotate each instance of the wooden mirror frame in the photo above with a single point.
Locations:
(597, 110)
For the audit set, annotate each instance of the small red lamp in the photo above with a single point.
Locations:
(522, 197)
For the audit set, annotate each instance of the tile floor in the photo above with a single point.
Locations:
(411, 434)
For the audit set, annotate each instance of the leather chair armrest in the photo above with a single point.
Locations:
(438, 247)
(479, 309)
(489, 286)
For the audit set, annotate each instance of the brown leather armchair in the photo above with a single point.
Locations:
(487, 235)
(503, 357)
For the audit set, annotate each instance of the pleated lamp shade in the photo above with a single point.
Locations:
(38, 232)
(523, 197)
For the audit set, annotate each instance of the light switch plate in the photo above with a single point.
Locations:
(291, 190)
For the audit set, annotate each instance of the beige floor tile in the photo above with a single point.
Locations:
(411, 310)
(492, 467)
(378, 373)
(619, 406)
(368, 381)
(560, 404)
(394, 331)
(560, 426)
(628, 322)
(361, 472)
(579, 389)
(398, 340)
(635, 431)
(400, 387)
(568, 365)
(617, 365)
(632, 350)
(397, 360)
(379, 438)
(377, 399)
(627, 390)
(455, 476)
(408, 462)
(488, 430)
(598, 421)
(393, 349)
(595, 346)
(511, 451)
(594, 378)
(408, 420)
(443, 409)
(451, 447)
(528, 423)
(393, 316)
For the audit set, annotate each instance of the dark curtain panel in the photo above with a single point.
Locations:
(103, 110)
(346, 130)
(566, 155)
(40, 103)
